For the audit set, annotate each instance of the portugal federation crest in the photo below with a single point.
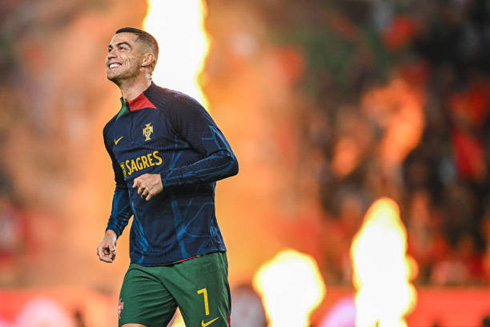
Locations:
(147, 131)
(120, 307)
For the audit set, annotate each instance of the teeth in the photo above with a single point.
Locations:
(114, 65)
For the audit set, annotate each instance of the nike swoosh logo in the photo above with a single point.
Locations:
(205, 324)
(117, 141)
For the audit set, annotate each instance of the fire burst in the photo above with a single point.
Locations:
(382, 271)
(291, 288)
(184, 44)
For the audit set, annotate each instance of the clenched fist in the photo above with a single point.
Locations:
(107, 248)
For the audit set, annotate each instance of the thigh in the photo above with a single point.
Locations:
(200, 288)
(144, 300)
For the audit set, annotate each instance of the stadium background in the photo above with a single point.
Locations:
(329, 106)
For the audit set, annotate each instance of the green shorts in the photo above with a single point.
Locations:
(199, 287)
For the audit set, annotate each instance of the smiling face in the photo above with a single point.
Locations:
(124, 58)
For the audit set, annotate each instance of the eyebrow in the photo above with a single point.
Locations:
(121, 43)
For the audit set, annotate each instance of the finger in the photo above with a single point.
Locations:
(100, 251)
(104, 257)
(109, 257)
(136, 182)
(141, 189)
(144, 193)
(148, 196)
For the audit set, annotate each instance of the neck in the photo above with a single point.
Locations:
(130, 89)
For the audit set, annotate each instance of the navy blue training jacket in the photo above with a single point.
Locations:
(168, 133)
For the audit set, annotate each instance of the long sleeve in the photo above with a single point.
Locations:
(192, 123)
(121, 206)
(121, 210)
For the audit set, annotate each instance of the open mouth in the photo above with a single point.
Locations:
(114, 65)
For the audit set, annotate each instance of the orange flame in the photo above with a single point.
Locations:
(184, 44)
(382, 270)
(291, 288)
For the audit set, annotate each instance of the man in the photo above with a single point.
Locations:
(167, 154)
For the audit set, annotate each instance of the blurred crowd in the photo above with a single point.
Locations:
(400, 94)
(13, 237)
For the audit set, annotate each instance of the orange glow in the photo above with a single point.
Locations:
(184, 44)
(382, 270)
(399, 108)
(291, 287)
(347, 156)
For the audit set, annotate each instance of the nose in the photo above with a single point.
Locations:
(111, 54)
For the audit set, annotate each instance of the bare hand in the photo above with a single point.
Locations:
(148, 185)
(107, 248)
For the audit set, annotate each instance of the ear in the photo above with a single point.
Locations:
(148, 59)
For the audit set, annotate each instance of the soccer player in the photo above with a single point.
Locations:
(167, 154)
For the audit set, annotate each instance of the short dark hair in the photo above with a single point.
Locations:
(144, 37)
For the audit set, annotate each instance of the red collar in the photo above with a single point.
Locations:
(140, 102)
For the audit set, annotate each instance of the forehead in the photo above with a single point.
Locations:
(124, 37)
